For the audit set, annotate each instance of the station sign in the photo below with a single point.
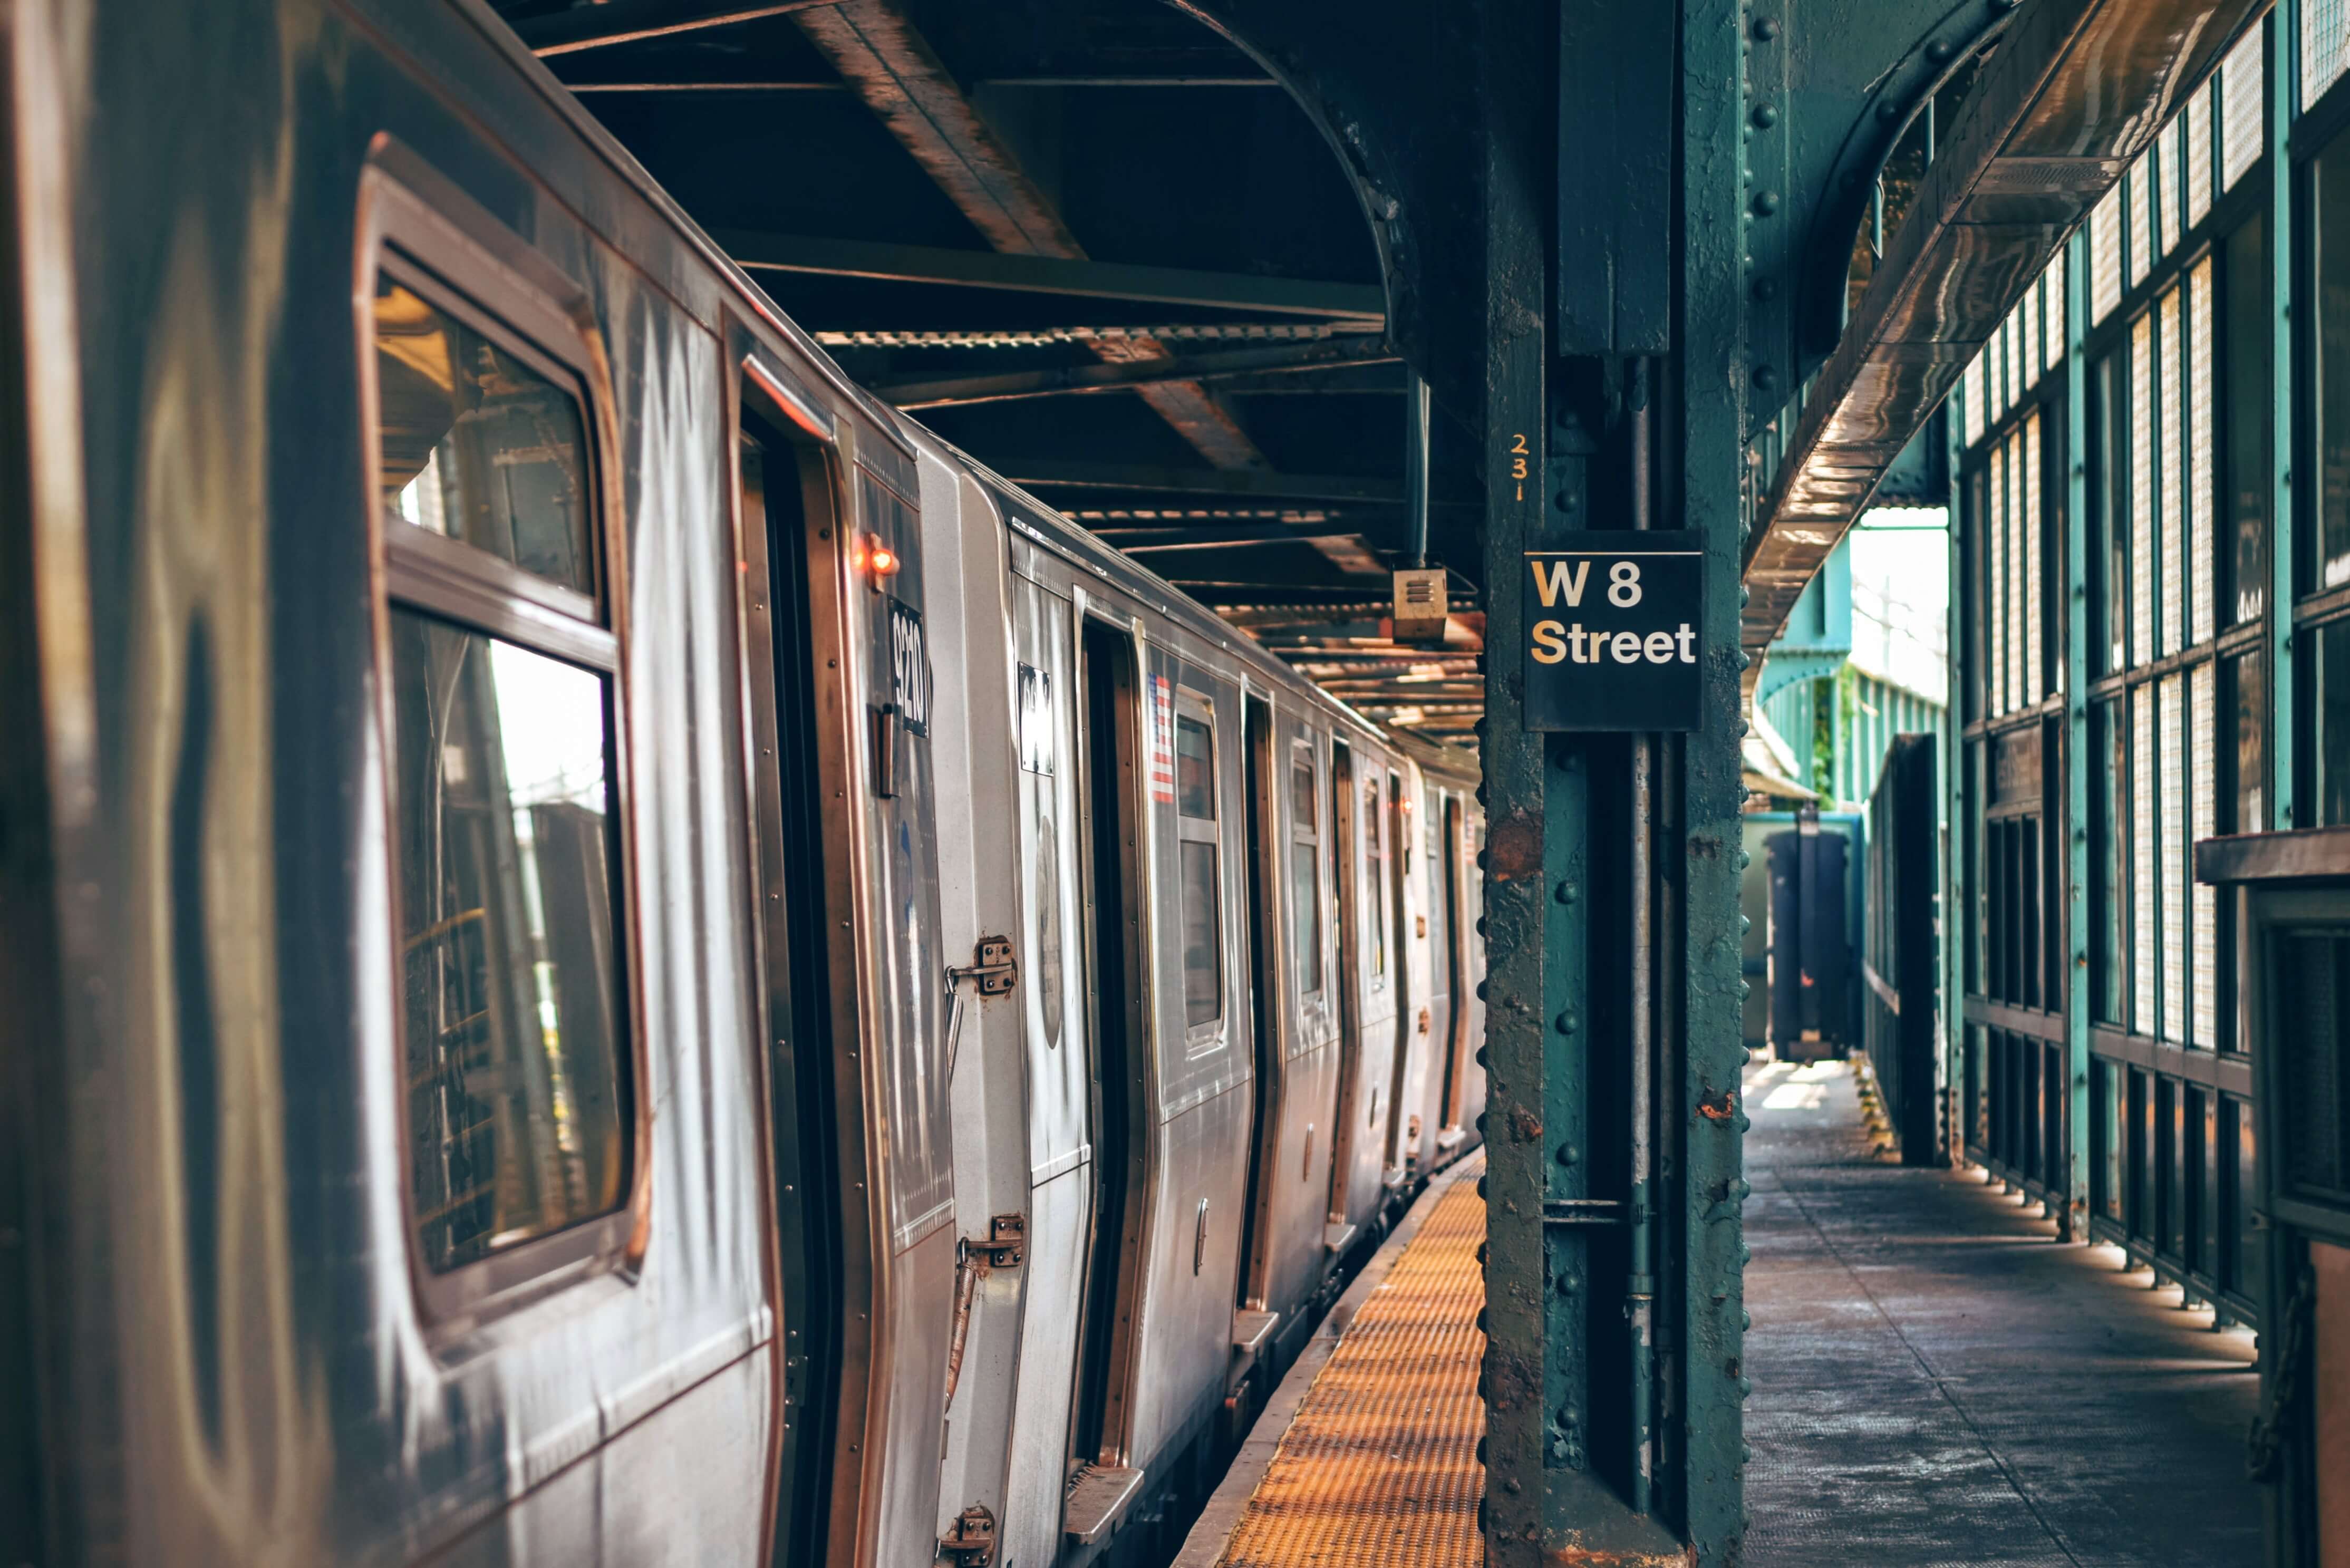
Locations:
(1614, 631)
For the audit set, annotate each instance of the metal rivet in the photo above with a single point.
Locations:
(1764, 116)
(1766, 27)
(1765, 288)
(1766, 202)
(1939, 51)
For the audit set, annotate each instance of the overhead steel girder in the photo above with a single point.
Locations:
(2077, 90)
(1832, 85)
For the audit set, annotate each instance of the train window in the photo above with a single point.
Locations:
(1198, 866)
(1195, 776)
(1305, 865)
(502, 682)
(487, 449)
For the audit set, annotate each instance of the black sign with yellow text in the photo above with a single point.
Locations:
(1614, 631)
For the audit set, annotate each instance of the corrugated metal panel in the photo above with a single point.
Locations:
(2200, 700)
(2030, 509)
(2056, 310)
(2141, 497)
(2171, 418)
(2241, 93)
(2324, 42)
(2201, 471)
(2105, 256)
(2174, 859)
(1995, 580)
(2199, 154)
(2142, 896)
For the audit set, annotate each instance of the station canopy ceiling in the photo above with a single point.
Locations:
(1093, 244)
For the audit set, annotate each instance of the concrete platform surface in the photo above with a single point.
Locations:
(1939, 1381)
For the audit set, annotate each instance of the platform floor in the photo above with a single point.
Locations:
(1937, 1381)
(1367, 1456)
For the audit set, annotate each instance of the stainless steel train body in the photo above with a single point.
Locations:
(612, 954)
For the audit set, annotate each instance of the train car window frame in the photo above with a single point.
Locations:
(487, 282)
(1197, 834)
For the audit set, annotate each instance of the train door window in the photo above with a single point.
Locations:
(1198, 869)
(501, 675)
(1306, 869)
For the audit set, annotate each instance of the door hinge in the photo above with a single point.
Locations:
(971, 1543)
(994, 968)
(1007, 1239)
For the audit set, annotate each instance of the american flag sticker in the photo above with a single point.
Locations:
(1161, 728)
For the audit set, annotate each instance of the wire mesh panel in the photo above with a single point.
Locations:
(2324, 46)
(2170, 499)
(2105, 255)
(2029, 441)
(2143, 895)
(2170, 847)
(2203, 813)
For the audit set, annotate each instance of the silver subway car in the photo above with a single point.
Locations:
(611, 953)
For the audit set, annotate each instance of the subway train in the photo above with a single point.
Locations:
(611, 953)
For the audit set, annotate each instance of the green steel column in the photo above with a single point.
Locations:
(2285, 103)
(1704, 1094)
(1517, 174)
(2074, 1219)
(1954, 802)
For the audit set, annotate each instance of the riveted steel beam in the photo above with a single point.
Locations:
(2077, 88)
(878, 50)
(633, 21)
(763, 252)
(1070, 380)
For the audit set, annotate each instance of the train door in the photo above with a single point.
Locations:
(795, 961)
(858, 1031)
(1447, 936)
(1347, 928)
(1118, 989)
(1264, 928)
(1410, 1026)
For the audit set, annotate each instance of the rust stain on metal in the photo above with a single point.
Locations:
(1380, 1467)
(1718, 1106)
(1524, 1126)
(1514, 846)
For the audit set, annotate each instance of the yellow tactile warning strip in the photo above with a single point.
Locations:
(1380, 1470)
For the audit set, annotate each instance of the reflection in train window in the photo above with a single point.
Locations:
(477, 443)
(1204, 972)
(509, 992)
(502, 681)
(1195, 774)
(1304, 861)
(1197, 863)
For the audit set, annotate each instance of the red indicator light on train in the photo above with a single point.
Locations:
(876, 557)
